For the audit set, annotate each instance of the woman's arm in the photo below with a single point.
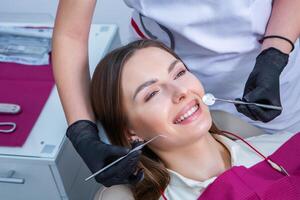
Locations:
(284, 21)
(70, 57)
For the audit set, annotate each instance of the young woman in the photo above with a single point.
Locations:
(143, 90)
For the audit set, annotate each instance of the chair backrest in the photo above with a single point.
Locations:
(228, 122)
(223, 120)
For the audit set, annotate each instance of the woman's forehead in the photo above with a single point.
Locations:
(146, 64)
(148, 59)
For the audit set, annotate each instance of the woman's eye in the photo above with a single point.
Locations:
(182, 72)
(152, 94)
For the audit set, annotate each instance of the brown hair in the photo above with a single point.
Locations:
(106, 96)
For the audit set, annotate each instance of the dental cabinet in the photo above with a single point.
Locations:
(47, 166)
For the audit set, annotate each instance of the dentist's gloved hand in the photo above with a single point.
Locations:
(262, 85)
(96, 154)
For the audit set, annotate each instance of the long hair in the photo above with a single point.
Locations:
(107, 102)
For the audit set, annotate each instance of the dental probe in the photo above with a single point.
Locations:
(209, 100)
(121, 158)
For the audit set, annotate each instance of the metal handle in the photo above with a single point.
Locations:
(121, 158)
(9, 108)
(247, 103)
(9, 178)
(268, 106)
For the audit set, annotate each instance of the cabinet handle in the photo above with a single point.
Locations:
(9, 178)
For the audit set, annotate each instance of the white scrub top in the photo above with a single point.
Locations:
(218, 41)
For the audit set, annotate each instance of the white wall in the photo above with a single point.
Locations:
(114, 11)
(107, 11)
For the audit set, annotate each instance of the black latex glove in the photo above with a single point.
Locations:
(96, 154)
(262, 85)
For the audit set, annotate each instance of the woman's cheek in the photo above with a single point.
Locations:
(198, 85)
(192, 83)
(151, 118)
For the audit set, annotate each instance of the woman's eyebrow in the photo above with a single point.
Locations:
(172, 65)
(142, 86)
(150, 82)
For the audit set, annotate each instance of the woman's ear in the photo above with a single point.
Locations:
(132, 136)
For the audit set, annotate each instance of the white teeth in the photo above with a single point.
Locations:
(187, 114)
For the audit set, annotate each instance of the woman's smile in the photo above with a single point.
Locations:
(189, 113)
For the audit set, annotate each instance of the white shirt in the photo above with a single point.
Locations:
(181, 187)
(218, 41)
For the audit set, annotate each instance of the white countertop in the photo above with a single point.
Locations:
(48, 133)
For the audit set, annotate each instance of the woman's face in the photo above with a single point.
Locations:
(162, 97)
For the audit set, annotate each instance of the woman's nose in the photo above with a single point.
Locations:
(179, 93)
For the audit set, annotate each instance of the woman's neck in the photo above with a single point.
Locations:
(200, 161)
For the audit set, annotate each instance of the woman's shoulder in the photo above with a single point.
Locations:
(116, 192)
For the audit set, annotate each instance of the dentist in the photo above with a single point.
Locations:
(244, 49)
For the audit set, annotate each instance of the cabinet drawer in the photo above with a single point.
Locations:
(29, 181)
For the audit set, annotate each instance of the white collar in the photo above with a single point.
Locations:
(241, 154)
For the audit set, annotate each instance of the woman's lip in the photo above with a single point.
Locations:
(187, 108)
(191, 118)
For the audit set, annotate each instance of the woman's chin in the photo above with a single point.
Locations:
(196, 127)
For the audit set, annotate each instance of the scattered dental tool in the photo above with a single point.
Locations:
(9, 108)
(209, 100)
(12, 129)
(121, 158)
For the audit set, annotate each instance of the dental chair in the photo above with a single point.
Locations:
(223, 120)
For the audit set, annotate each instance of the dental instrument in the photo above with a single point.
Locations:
(9, 108)
(121, 158)
(12, 129)
(209, 99)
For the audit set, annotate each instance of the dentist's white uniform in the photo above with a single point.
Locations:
(218, 40)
